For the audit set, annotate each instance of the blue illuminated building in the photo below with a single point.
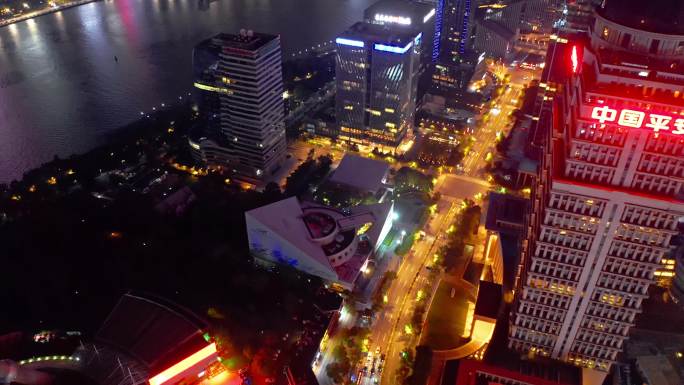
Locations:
(458, 19)
(377, 76)
(437, 39)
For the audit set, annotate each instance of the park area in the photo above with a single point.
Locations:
(446, 319)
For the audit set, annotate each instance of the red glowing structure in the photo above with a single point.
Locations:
(197, 361)
(637, 119)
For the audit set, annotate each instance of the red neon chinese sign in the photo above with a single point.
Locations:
(639, 119)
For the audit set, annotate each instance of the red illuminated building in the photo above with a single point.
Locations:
(472, 372)
(610, 188)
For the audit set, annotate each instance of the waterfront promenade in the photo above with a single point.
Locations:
(44, 11)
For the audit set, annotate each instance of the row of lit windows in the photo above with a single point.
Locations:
(533, 337)
(662, 165)
(593, 350)
(566, 238)
(560, 254)
(536, 324)
(601, 133)
(623, 283)
(577, 204)
(604, 325)
(595, 154)
(591, 363)
(643, 235)
(610, 312)
(629, 268)
(552, 284)
(665, 144)
(570, 221)
(657, 184)
(598, 338)
(635, 252)
(524, 346)
(589, 172)
(645, 216)
(541, 311)
(554, 269)
(545, 298)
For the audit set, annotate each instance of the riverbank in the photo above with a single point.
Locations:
(45, 11)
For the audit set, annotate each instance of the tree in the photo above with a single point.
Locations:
(421, 366)
(339, 369)
(272, 191)
(408, 179)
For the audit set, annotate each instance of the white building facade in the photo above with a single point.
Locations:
(609, 193)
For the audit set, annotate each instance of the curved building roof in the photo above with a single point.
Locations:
(659, 16)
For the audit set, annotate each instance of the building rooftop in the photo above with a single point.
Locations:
(318, 232)
(656, 356)
(361, 173)
(417, 12)
(153, 331)
(478, 372)
(659, 16)
(246, 40)
(506, 213)
(488, 302)
(380, 34)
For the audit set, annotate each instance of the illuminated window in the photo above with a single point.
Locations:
(606, 31)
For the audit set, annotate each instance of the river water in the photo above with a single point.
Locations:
(62, 92)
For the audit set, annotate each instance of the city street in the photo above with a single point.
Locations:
(499, 121)
(453, 189)
(389, 336)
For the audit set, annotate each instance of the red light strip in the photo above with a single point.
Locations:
(575, 59)
(184, 365)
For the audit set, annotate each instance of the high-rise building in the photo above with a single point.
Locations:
(458, 19)
(610, 187)
(240, 83)
(377, 77)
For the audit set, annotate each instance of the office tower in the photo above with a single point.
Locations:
(239, 78)
(376, 75)
(610, 188)
(458, 19)
(410, 14)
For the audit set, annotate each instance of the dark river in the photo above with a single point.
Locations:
(61, 92)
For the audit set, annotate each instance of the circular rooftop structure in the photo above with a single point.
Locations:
(657, 16)
(319, 224)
